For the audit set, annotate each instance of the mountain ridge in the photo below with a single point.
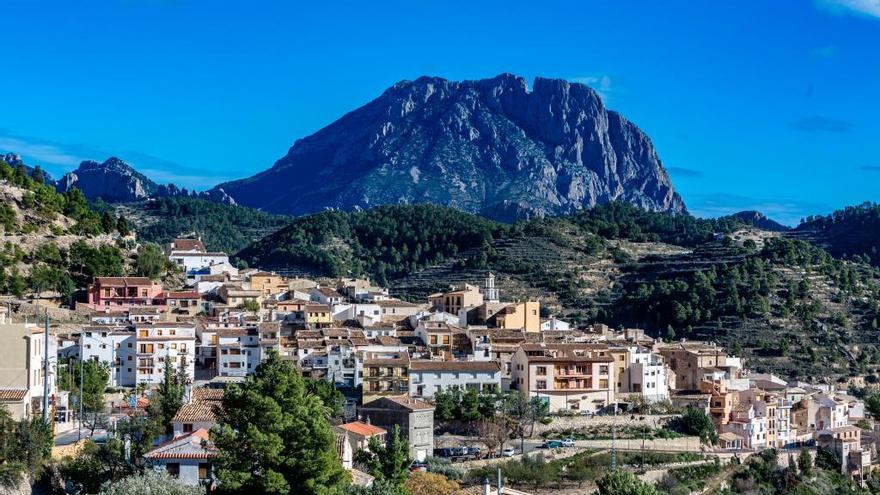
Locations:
(489, 146)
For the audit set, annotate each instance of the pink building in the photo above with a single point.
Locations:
(124, 293)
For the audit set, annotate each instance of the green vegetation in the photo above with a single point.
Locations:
(603, 432)
(689, 479)
(620, 482)
(222, 227)
(152, 482)
(273, 436)
(383, 242)
(168, 398)
(762, 474)
(853, 232)
(151, 261)
(47, 204)
(386, 462)
(24, 446)
(697, 423)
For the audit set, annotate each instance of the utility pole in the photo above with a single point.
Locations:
(79, 430)
(46, 370)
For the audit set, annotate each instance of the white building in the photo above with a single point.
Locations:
(646, 374)
(158, 342)
(553, 323)
(429, 377)
(114, 346)
(194, 264)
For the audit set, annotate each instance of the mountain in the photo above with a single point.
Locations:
(14, 160)
(852, 231)
(759, 220)
(113, 181)
(489, 146)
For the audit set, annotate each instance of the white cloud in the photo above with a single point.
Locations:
(39, 151)
(869, 8)
(602, 84)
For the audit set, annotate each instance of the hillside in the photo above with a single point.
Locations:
(51, 241)
(786, 305)
(851, 232)
(491, 146)
(221, 226)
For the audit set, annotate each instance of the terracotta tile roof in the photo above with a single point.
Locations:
(363, 429)
(12, 394)
(188, 244)
(203, 393)
(183, 295)
(195, 445)
(200, 411)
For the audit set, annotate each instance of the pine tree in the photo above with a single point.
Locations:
(273, 436)
(168, 399)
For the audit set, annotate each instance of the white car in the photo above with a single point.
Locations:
(568, 442)
(508, 452)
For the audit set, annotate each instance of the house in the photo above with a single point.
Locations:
(395, 309)
(123, 293)
(645, 373)
(185, 245)
(268, 283)
(429, 377)
(511, 316)
(358, 435)
(199, 413)
(318, 315)
(575, 377)
(414, 417)
(845, 442)
(22, 368)
(552, 323)
(746, 424)
(187, 457)
(456, 299)
(183, 303)
(385, 373)
(235, 296)
(326, 296)
(237, 351)
(689, 361)
(190, 255)
(444, 341)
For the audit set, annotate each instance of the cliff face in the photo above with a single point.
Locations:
(490, 146)
(113, 181)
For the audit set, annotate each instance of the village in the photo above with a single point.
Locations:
(394, 361)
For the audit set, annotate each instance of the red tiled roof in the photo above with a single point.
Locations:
(363, 429)
(195, 445)
(188, 244)
(124, 281)
(183, 295)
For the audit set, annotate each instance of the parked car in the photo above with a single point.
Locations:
(418, 466)
(508, 452)
(567, 442)
(551, 444)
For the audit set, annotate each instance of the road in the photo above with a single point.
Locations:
(71, 436)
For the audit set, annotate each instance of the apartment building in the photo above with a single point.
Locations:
(186, 303)
(115, 346)
(511, 316)
(429, 377)
(443, 340)
(575, 377)
(238, 351)
(414, 417)
(690, 361)
(644, 373)
(158, 342)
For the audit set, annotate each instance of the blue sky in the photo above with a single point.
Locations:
(751, 104)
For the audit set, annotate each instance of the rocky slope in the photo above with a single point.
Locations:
(113, 181)
(490, 146)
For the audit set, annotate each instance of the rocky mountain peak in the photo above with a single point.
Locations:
(113, 180)
(491, 146)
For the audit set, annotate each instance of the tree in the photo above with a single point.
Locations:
(494, 432)
(122, 226)
(152, 482)
(622, 482)
(150, 261)
(95, 465)
(872, 404)
(805, 463)
(379, 487)
(168, 398)
(251, 305)
(95, 377)
(389, 462)
(108, 223)
(330, 396)
(696, 422)
(273, 436)
(423, 483)
(524, 412)
(24, 446)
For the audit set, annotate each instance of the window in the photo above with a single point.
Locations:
(603, 383)
(603, 370)
(204, 470)
(187, 427)
(173, 468)
(541, 384)
(541, 370)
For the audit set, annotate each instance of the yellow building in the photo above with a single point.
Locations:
(268, 283)
(453, 301)
(318, 315)
(520, 316)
